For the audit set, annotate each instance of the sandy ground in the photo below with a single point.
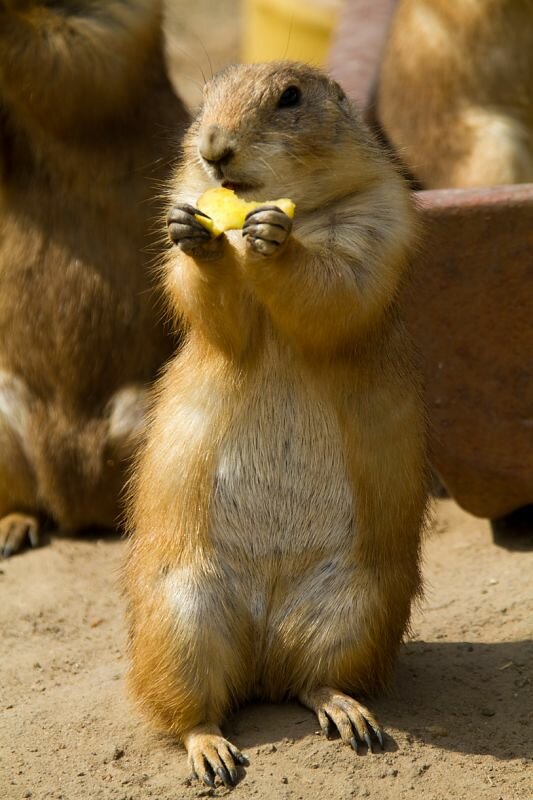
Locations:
(458, 717)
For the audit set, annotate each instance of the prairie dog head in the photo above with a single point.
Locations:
(279, 129)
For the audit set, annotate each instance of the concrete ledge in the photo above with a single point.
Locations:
(469, 305)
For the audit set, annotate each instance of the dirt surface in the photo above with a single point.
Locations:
(458, 717)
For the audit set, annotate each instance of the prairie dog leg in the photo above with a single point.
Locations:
(19, 523)
(354, 721)
(188, 657)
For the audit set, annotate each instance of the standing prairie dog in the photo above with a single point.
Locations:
(277, 506)
(455, 95)
(85, 111)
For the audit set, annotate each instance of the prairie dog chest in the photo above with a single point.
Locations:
(281, 480)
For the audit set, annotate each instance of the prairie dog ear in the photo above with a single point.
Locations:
(341, 97)
(341, 94)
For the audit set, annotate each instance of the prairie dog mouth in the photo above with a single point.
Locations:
(241, 188)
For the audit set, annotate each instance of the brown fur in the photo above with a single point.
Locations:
(277, 507)
(455, 93)
(85, 114)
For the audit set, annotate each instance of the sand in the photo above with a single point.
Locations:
(458, 716)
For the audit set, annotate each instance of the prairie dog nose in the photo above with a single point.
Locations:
(216, 145)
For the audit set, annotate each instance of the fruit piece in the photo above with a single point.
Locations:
(228, 212)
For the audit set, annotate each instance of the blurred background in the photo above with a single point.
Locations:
(204, 36)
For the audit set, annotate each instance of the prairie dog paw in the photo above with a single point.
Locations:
(267, 230)
(211, 756)
(16, 531)
(185, 230)
(354, 722)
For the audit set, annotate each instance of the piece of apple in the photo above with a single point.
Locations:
(227, 211)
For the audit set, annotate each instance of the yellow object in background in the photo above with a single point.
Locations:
(300, 30)
(228, 212)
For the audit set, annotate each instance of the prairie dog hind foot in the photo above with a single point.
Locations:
(211, 755)
(18, 525)
(354, 722)
(17, 531)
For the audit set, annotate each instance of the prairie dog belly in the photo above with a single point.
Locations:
(281, 482)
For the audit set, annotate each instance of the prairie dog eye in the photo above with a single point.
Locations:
(290, 97)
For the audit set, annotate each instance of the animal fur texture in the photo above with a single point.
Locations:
(277, 506)
(455, 96)
(86, 111)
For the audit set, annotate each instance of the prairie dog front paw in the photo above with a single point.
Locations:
(188, 234)
(267, 230)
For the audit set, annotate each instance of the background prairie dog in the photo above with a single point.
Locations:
(85, 111)
(276, 509)
(455, 95)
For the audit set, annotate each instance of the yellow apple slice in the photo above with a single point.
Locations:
(227, 211)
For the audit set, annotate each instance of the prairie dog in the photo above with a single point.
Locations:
(455, 96)
(277, 505)
(85, 111)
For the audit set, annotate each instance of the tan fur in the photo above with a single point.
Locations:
(455, 94)
(86, 112)
(277, 507)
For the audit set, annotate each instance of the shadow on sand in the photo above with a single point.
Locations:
(515, 531)
(460, 696)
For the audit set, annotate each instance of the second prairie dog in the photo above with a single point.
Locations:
(277, 507)
(455, 94)
(86, 108)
